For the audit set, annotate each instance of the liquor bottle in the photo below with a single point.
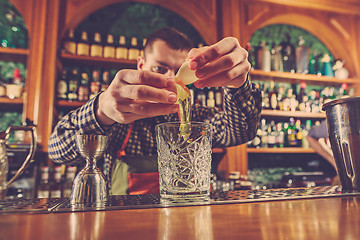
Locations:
(291, 133)
(83, 91)
(288, 55)
(285, 131)
(291, 100)
(56, 185)
(302, 97)
(251, 55)
(210, 102)
(299, 133)
(69, 43)
(314, 102)
(272, 134)
(218, 97)
(280, 98)
(44, 185)
(265, 96)
(276, 60)
(96, 48)
(67, 185)
(256, 142)
(272, 95)
(280, 136)
(143, 47)
(134, 51)
(263, 57)
(62, 86)
(105, 80)
(201, 97)
(264, 134)
(121, 49)
(305, 142)
(95, 84)
(302, 56)
(315, 63)
(83, 47)
(327, 68)
(73, 85)
(109, 48)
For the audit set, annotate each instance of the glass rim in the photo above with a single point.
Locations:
(193, 123)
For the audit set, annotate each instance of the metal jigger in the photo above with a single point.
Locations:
(89, 185)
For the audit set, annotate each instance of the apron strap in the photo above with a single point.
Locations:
(121, 152)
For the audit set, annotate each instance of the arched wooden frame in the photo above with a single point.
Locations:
(332, 38)
(203, 21)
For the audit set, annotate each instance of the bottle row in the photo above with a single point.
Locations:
(282, 134)
(56, 182)
(299, 97)
(99, 47)
(206, 97)
(82, 84)
(286, 57)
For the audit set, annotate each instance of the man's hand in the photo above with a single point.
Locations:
(136, 94)
(223, 64)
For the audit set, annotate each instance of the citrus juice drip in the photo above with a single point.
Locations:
(184, 101)
(184, 76)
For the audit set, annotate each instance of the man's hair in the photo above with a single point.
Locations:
(173, 38)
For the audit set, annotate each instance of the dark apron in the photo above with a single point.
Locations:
(135, 175)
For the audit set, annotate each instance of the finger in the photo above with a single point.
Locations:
(137, 110)
(147, 109)
(222, 64)
(195, 51)
(234, 77)
(210, 53)
(146, 93)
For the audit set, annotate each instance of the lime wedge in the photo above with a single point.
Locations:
(185, 75)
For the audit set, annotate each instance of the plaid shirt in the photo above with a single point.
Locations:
(234, 125)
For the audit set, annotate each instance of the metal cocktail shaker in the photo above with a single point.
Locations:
(343, 123)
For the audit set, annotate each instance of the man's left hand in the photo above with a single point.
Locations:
(224, 63)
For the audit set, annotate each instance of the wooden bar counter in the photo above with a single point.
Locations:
(319, 218)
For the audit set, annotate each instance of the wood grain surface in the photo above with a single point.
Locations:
(325, 218)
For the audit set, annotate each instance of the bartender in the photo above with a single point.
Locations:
(137, 100)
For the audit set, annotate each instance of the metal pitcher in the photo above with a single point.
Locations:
(4, 164)
(343, 123)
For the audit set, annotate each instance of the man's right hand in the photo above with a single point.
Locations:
(136, 94)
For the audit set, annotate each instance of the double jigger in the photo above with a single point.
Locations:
(90, 187)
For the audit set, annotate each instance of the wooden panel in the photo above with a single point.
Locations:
(295, 114)
(330, 28)
(257, 74)
(281, 150)
(339, 6)
(35, 62)
(47, 101)
(201, 14)
(236, 159)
